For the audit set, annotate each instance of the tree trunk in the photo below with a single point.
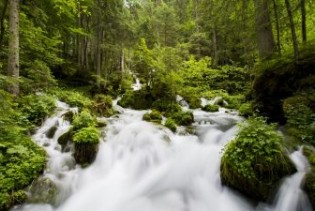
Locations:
(215, 47)
(13, 54)
(266, 44)
(98, 48)
(2, 29)
(293, 32)
(275, 7)
(303, 14)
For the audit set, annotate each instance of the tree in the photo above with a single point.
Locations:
(13, 54)
(266, 44)
(292, 28)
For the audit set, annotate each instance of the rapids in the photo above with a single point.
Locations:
(145, 167)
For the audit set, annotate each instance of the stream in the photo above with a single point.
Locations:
(141, 166)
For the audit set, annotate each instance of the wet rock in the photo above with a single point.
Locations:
(51, 132)
(43, 190)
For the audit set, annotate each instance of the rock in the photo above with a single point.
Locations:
(42, 190)
(51, 132)
(65, 138)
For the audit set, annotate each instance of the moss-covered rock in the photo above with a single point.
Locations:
(211, 108)
(103, 105)
(74, 98)
(255, 160)
(141, 99)
(170, 124)
(153, 116)
(183, 118)
(86, 145)
(65, 138)
(166, 107)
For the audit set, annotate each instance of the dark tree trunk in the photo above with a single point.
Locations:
(266, 44)
(303, 14)
(293, 32)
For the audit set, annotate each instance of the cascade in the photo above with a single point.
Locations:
(143, 166)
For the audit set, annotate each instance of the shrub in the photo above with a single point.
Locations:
(141, 99)
(103, 105)
(211, 108)
(170, 124)
(84, 119)
(255, 160)
(166, 107)
(37, 107)
(87, 135)
(153, 116)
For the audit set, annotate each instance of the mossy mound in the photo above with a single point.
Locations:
(103, 105)
(211, 108)
(153, 116)
(166, 107)
(83, 119)
(183, 118)
(86, 145)
(170, 124)
(246, 109)
(255, 161)
(279, 79)
(74, 98)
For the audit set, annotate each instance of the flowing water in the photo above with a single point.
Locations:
(145, 167)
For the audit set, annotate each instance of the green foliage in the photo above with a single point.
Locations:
(183, 118)
(141, 99)
(166, 107)
(233, 101)
(74, 99)
(87, 135)
(255, 160)
(153, 116)
(83, 119)
(246, 109)
(103, 105)
(211, 108)
(300, 117)
(170, 124)
(37, 107)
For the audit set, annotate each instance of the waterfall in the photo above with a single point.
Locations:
(144, 166)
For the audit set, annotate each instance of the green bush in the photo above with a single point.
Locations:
(246, 110)
(166, 107)
(153, 116)
(255, 160)
(37, 107)
(170, 124)
(83, 119)
(183, 118)
(103, 105)
(211, 108)
(141, 99)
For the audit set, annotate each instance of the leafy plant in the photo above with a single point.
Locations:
(83, 119)
(153, 116)
(87, 135)
(211, 108)
(170, 124)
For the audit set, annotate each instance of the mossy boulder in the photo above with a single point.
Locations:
(183, 118)
(51, 132)
(211, 108)
(166, 107)
(171, 124)
(153, 116)
(65, 138)
(86, 145)
(83, 119)
(255, 161)
(103, 105)
(141, 99)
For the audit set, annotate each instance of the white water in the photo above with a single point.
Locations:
(136, 86)
(144, 167)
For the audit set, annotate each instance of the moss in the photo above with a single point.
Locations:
(86, 145)
(183, 118)
(170, 124)
(246, 109)
(255, 161)
(141, 99)
(19, 197)
(211, 108)
(166, 107)
(153, 116)
(103, 105)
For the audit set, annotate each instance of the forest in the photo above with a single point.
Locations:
(157, 105)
